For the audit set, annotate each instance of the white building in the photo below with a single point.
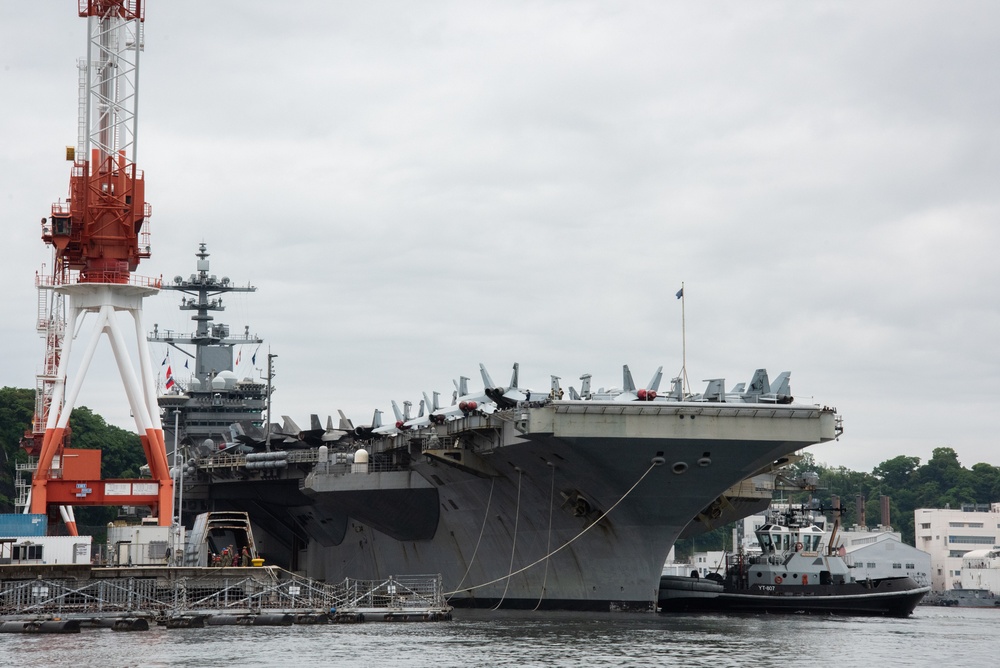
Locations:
(949, 534)
(45, 550)
(881, 553)
(709, 562)
(703, 562)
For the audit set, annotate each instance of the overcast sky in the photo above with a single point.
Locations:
(415, 188)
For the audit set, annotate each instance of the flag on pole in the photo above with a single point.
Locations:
(170, 378)
(239, 356)
(253, 359)
(166, 359)
(186, 364)
(680, 293)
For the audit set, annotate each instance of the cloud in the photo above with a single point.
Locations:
(418, 188)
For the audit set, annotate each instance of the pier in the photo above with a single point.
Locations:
(31, 597)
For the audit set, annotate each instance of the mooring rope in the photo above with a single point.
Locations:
(567, 543)
(548, 538)
(513, 544)
(482, 529)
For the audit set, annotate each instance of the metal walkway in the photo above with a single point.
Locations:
(405, 598)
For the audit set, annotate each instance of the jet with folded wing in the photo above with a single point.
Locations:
(463, 403)
(504, 397)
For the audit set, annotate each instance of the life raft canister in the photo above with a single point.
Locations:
(777, 579)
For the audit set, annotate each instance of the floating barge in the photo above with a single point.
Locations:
(34, 596)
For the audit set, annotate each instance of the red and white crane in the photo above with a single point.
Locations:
(98, 238)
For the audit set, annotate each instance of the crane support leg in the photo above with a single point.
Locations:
(105, 301)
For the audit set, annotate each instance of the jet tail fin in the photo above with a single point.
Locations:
(716, 390)
(780, 386)
(759, 384)
(289, 427)
(654, 384)
(677, 388)
(396, 411)
(628, 385)
(345, 422)
(487, 381)
(513, 377)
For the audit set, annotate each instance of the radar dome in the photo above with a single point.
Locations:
(224, 380)
(230, 379)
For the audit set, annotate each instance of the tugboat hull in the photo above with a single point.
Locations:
(888, 597)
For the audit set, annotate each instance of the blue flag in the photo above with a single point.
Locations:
(680, 293)
(253, 358)
(166, 359)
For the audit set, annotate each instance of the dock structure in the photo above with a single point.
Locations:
(191, 597)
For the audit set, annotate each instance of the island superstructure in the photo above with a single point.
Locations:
(204, 403)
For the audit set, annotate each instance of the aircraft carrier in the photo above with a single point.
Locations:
(518, 499)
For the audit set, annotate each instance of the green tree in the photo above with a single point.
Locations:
(17, 408)
(121, 450)
(898, 472)
(985, 480)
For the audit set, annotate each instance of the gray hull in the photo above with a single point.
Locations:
(571, 507)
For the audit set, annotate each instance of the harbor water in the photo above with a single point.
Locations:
(486, 638)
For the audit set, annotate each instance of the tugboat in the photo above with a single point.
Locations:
(795, 572)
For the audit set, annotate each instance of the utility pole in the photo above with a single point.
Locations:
(270, 375)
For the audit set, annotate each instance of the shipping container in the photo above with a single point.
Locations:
(18, 524)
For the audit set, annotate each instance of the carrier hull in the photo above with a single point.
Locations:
(569, 505)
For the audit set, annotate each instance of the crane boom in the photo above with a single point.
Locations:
(102, 231)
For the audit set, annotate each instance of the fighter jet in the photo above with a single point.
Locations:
(463, 403)
(584, 393)
(316, 435)
(280, 437)
(504, 397)
(365, 432)
(629, 393)
(422, 420)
